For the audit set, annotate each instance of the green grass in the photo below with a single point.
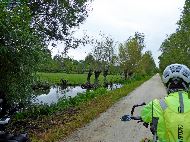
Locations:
(73, 79)
(79, 111)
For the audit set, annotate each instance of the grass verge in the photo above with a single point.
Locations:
(74, 79)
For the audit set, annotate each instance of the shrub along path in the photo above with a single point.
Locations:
(109, 128)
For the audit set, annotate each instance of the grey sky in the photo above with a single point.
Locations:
(122, 18)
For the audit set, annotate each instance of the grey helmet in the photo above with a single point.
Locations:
(176, 71)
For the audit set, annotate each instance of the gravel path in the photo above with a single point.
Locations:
(109, 128)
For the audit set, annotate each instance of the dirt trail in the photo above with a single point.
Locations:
(109, 128)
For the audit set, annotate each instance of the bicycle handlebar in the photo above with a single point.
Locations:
(136, 118)
(129, 117)
(133, 109)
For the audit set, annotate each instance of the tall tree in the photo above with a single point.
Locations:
(104, 50)
(55, 19)
(103, 53)
(89, 61)
(147, 64)
(130, 54)
(20, 50)
(176, 48)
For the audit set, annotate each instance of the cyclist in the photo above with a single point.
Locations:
(170, 116)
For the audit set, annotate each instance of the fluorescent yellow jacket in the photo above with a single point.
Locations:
(174, 120)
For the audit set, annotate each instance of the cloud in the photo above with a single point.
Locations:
(122, 18)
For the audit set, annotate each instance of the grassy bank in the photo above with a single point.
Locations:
(51, 123)
(73, 79)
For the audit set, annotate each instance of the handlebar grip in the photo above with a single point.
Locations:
(126, 118)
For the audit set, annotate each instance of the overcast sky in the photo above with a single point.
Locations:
(122, 18)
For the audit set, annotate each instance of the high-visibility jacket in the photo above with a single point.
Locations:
(173, 113)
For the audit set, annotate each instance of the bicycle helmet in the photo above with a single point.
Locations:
(176, 71)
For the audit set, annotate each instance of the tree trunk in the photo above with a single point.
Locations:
(89, 75)
(97, 74)
(105, 73)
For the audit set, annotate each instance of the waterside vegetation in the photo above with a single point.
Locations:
(51, 123)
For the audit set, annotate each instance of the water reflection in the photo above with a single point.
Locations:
(57, 92)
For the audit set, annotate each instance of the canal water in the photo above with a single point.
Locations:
(57, 92)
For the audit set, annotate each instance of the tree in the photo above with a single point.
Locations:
(47, 64)
(26, 28)
(147, 64)
(80, 66)
(130, 54)
(176, 48)
(104, 49)
(184, 22)
(114, 65)
(56, 19)
(103, 54)
(89, 61)
(20, 50)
